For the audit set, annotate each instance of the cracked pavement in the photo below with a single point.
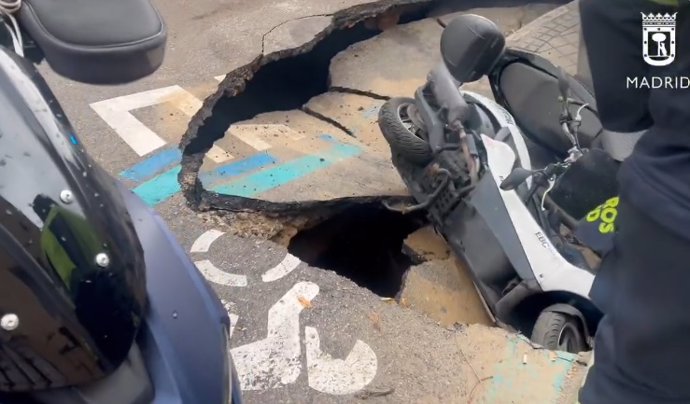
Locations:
(416, 359)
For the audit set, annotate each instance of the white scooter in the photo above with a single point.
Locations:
(520, 187)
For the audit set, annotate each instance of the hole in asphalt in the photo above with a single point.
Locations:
(287, 83)
(363, 243)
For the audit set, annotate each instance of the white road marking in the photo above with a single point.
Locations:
(244, 133)
(233, 322)
(203, 243)
(116, 112)
(275, 360)
(248, 133)
(233, 317)
(338, 376)
(287, 265)
(218, 276)
(218, 155)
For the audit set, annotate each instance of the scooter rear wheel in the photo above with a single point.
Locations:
(403, 135)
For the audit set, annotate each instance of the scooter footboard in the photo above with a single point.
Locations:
(479, 230)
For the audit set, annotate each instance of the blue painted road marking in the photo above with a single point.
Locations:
(265, 180)
(254, 162)
(160, 188)
(163, 186)
(152, 165)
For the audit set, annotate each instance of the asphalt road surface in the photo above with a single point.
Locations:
(300, 334)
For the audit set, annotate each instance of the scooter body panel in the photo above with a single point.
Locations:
(179, 354)
(71, 266)
(181, 351)
(493, 231)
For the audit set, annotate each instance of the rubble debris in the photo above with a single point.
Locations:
(444, 292)
(375, 319)
(304, 302)
(368, 393)
(426, 245)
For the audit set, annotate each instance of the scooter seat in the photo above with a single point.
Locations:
(531, 93)
(97, 41)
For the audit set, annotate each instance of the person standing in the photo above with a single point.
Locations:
(638, 53)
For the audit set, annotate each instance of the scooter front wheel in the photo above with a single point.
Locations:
(404, 136)
(559, 332)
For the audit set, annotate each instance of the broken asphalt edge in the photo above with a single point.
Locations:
(194, 147)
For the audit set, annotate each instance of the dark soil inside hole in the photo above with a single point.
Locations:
(362, 243)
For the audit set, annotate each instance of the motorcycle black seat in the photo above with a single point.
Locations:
(528, 85)
(97, 41)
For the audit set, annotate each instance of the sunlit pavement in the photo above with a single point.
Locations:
(300, 333)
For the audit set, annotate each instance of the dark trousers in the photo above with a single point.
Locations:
(642, 345)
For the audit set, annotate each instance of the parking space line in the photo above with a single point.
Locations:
(152, 165)
(203, 243)
(338, 376)
(275, 360)
(239, 167)
(287, 265)
(117, 113)
(155, 177)
(159, 188)
(290, 171)
(215, 275)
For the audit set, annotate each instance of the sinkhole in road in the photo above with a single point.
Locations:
(363, 243)
(282, 81)
(288, 79)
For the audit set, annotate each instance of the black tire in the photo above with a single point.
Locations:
(559, 332)
(394, 124)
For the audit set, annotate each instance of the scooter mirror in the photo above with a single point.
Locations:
(515, 178)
